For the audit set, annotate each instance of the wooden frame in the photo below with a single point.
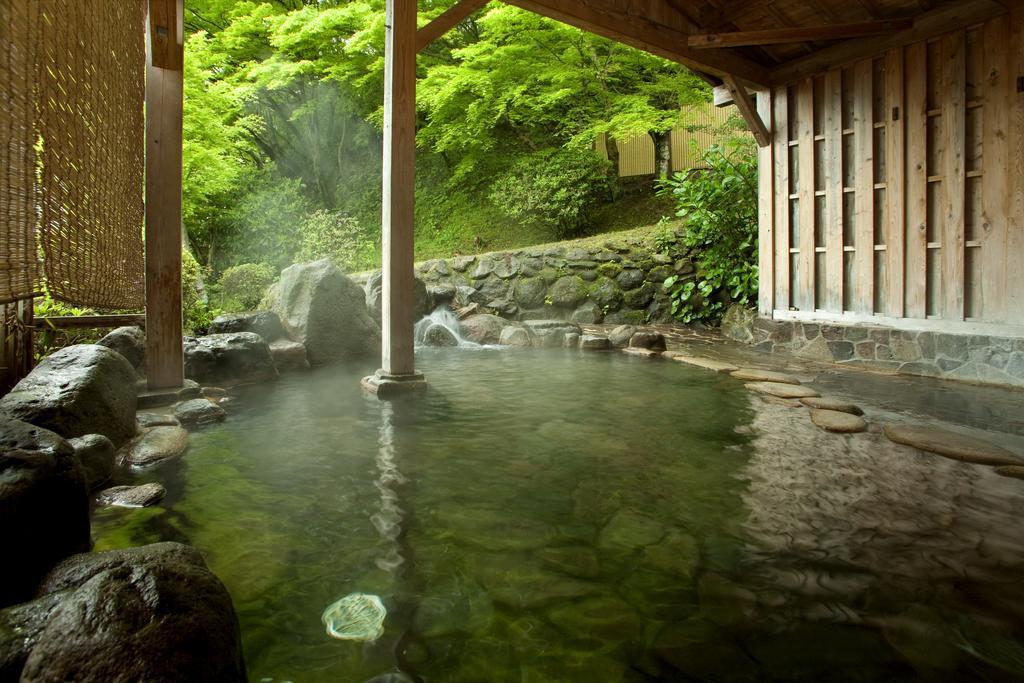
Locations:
(799, 34)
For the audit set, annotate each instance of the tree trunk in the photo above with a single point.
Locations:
(662, 153)
(613, 157)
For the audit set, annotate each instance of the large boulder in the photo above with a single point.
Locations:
(288, 355)
(154, 613)
(128, 341)
(96, 455)
(267, 324)
(374, 291)
(78, 390)
(483, 328)
(553, 333)
(44, 506)
(229, 359)
(326, 311)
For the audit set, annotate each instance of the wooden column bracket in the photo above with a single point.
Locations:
(746, 106)
(445, 22)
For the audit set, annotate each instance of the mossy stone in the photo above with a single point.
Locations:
(529, 292)
(569, 291)
(639, 297)
(605, 293)
(609, 269)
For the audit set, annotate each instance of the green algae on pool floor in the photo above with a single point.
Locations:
(556, 516)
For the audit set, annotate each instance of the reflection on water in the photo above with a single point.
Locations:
(551, 516)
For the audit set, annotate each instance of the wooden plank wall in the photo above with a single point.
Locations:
(896, 186)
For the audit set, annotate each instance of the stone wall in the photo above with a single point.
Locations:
(970, 358)
(615, 279)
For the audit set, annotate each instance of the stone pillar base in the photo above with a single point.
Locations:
(387, 387)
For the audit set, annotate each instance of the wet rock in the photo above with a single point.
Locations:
(831, 404)
(213, 393)
(571, 340)
(78, 390)
(568, 292)
(551, 333)
(326, 311)
(678, 555)
(226, 359)
(465, 610)
(513, 335)
(700, 362)
(198, 411)
(153, 613)
(752, 375)
(639, 297)
(158, 398)
(483, 328)
(587, 314)
(20, 626)
(738, 324)
(439, 335)
(148, 420)
(1013, 471)
(629, 530)
(606, 294)
(781, 390)
(289, 356)
(630, 279)
(838, 421)
(604, 616)
(440, 294)
(266, 324)
(645, 353)
(140, 496)
(621, 335)
(373, 291)
(503, 307)
(158, 444)
(951, 444)
(643, 339)
(529, 292)
(44, 506)
(128, 341)
(595, 342)
(703, 651)
(96, 455)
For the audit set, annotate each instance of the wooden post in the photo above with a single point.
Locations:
(398, 371)
(164, 354)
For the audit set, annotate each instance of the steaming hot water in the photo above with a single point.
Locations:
(558, 516)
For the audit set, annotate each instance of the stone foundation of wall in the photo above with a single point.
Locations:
(969, 358)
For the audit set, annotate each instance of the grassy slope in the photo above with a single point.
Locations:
(478, 229)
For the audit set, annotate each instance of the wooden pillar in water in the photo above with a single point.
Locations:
(398, 367)
(164, 83)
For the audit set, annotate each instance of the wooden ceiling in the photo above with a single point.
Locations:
(767, 42)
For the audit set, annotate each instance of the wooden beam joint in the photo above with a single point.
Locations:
(776, 36)
(746, 106)
(446, 21)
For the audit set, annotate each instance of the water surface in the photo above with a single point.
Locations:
(557, 516)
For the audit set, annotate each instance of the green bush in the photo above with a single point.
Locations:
(242, 287)
(196, 312)
(557, 188)
(341, 238)
(719, 204)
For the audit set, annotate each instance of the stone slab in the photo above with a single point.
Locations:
(838, 421)
(644, 353)
(1013, 471)
(831, 404)
(754, 375)
(697, 361)
(781, 390)
(951, 444)
(140, 496)
(157, 445)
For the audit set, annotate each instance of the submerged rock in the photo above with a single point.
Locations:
(514, 335)
(951, 444)
(483, 328)
(96, 455)
(643, 339)
(235, 358)
(78, 390)
(781, 390)
(153, 613)
(701, 362)
(140, 496)
(266, 324)
(753, 375)
(44, 506)
(621, 335)
(130, 342)
(838, 421)
(552, 333)
(156, 445)
(595, 342)
(198, 411)
(326, 311)
(288, 355)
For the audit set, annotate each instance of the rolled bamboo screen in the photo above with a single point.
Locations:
(71, 160)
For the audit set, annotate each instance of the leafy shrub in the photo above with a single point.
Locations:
(719, 204)
(196, 312)
(265, 223)
(341, 238)
(242, 287)
(558, 188)
(47, 338)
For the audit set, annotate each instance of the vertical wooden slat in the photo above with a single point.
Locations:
(864, 201)
(805, 105)
(164, 101)
(916, 180)
(834, 190)
(954, 132)
(995, 168)
(398, 210)
(766, 210)
(894, 193)
(780, 146)
(1015, 168)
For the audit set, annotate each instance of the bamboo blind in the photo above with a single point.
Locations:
(895, 184)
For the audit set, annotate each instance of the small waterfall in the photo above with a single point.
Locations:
(450, 335)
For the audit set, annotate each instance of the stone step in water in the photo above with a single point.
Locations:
(697, 361)
(823, 403)
(838, 421)
(781, 390)
(951, 444)
(754, 375)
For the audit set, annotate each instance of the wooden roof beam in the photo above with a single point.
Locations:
(946, 18)
(446, 21)
(746, 106)
(776, 36)
(647, 35)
